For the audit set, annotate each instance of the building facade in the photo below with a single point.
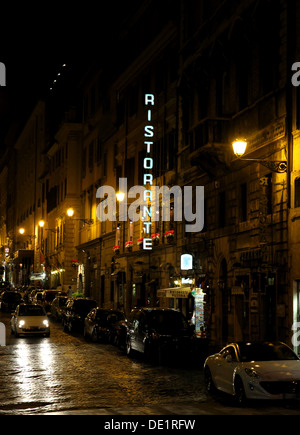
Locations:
(217, 71)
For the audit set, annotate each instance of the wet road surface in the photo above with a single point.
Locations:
(64, 374)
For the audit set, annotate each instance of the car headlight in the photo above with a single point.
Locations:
(252, 373)
(46, 323)
(21, 323)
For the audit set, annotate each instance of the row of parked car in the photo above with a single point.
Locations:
(10, 299)
(150, 331)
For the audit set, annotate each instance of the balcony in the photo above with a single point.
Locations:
(208, 143)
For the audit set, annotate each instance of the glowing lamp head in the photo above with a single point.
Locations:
(239, 147)
(120, 196)
(21, 230)
(70, 212)
(41, 224)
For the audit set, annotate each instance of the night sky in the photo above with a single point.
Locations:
(36, 39)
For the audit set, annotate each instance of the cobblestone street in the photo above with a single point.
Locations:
(64, 374)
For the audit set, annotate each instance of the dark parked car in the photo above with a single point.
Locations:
(75, 313)
(9, 300)
(99, 322)
(118, 334)
(48, 298)
(58, 307)
(158, 332)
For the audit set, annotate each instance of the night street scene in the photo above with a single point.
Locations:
(150, 211)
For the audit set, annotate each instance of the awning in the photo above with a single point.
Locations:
(37, 276)
(175, 292)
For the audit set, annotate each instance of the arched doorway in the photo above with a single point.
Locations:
(223, 286)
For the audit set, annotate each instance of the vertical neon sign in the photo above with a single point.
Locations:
(148, 165)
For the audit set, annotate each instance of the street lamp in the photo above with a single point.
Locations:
(22, 232)
(120, 196)
(42, 224)
(70, 213)
(239, 149)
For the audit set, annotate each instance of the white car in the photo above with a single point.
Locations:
(30, 319)
(257, 370)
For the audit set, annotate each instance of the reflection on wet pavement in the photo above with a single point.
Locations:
(64, 372)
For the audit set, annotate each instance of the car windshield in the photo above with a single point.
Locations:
(62, 302)
(50, 296)
(84, 307)
(167, 320)
(31, 310)
(108, 317)
(265, 352)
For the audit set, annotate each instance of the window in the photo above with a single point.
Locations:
(83, 162)
(93, 100)
(133, 100)
(244, 202)
(120, 112)
(229, 351)
(297, 192)
(91, 155)
(98, 150)
(130, 172)
(105, 164)
(222, 209)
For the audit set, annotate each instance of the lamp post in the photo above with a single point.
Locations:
(266, 244)
(239, 149)
(22, 232)
(70, 214)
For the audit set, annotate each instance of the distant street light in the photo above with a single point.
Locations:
(70, 213)
(22, 232)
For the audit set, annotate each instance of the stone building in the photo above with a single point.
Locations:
(218, 71)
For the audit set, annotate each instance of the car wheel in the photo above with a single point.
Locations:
(147, 350)
(209, 383)
(95, 336)
(65, 326)
(240, 395)
(128, 346)
(85, 334)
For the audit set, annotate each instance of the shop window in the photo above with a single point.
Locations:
(297, 192)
